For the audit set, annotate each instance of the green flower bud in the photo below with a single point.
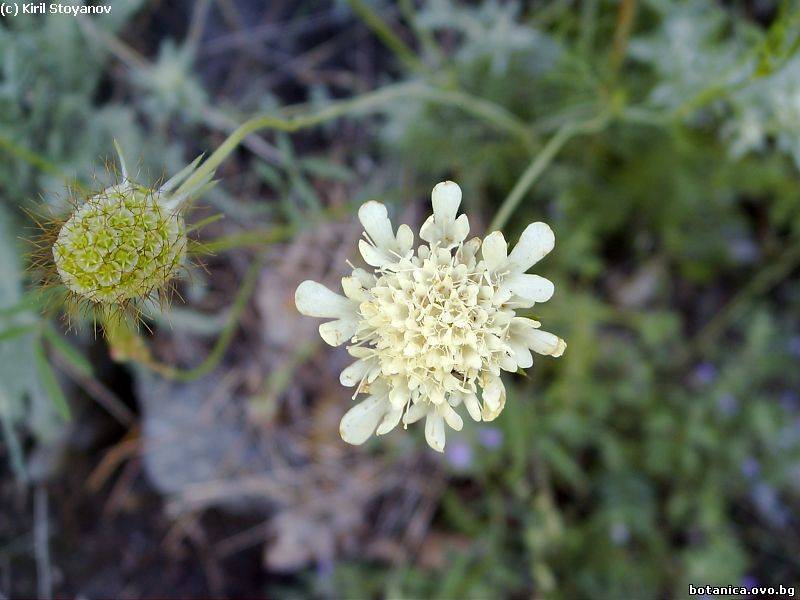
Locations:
(129, 240)
(119, 245)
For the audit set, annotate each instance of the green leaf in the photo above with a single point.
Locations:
(17, 376)
(562, 464)
(326, 169)
(29, 301)
(17, 456)
(17, 331)
(204, 222)
(50, 381)
(68, 352)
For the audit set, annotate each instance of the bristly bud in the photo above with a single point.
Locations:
(121, 244)
(125, 243)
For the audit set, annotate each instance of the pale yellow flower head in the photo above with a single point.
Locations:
(432, 329)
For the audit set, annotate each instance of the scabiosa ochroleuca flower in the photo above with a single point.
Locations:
(432, 329)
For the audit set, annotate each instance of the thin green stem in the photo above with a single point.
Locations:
(485, 109)
(588, 26)
(622, 33)
(425, 36)
(370, 101)
(291, 124)
(259, 237)
(36, 160)
(12, 441)
(244, 239)
(769, 276)
(540, 162)
(388, 37)
(226, 337)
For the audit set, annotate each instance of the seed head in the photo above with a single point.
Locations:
(120, 244)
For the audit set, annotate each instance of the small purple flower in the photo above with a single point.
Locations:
(459, 454)
(769, 504)
(789, 400)
(705, 373)
(325, 568)
(794, 345)
(728, 405)
(750, 467)
(749, 582)
(490, 437)
(743, 250)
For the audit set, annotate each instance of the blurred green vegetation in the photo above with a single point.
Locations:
(663, 449)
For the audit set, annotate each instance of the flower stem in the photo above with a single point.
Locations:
(487, 110)
(388, 37)
(293, 123)
(243, 239)
(775, 272)
(38, 161)
(622, 33)
(226, 337)
(540, 162)
(370, 101)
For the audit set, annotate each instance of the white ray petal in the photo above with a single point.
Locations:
(494, 399)
(352, 375)
(544, 342)
(405, 239)
(366, 278)
(315, 300)
(521, 354)
(359, 422)
(473, 406)
(372, 255)
(415, 412)
(430, 231)
(528, 287)
(535, 242)
(336, 333)
(375, 219)
(434, 431)
(457, 232)
(446, 198)
(494, 251)
(399, 394)
(353, 289)
(390, 421)
(492, 392)
(451, 417)
(509, 363)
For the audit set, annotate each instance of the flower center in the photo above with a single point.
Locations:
(434, 323)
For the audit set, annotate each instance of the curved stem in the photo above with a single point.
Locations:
(485, 109)
(540, 162)
(622, 33)
(291, 124)
(769, 276)
(226, 337)
(388, 37)
(38, 161)
(370, 101)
